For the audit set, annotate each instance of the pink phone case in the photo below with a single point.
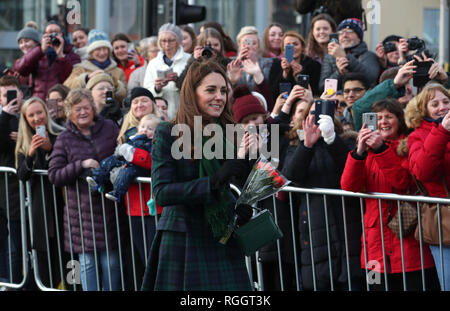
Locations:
(331, 84)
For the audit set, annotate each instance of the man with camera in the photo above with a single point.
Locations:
(349, 55)
(389, 50)
(49, 63)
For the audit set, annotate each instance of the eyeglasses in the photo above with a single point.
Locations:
(170, 41)
(345, 31)
(105, 88)
(354, 90)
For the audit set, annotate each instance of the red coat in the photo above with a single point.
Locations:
(384, 172)
(36, 62)
(131, 67)
(135, 204)
(429, 156)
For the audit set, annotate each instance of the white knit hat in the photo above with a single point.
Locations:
(174, 29)
(97, 39)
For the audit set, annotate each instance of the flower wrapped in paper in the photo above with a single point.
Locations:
(264, 181)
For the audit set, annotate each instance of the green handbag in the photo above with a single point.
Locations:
(259, 231)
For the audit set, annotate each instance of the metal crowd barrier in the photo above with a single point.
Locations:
(11, 274)
(63, 267)
(259, 282)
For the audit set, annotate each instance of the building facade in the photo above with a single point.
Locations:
(141, 18)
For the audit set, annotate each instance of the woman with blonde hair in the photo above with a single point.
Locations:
(33, 149)
(429, 157)
(142, 105)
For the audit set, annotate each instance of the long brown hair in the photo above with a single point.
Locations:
(265, 39)
(188, 107)
(313, 47)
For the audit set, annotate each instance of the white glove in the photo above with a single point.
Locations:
(326, 126)
(126, 151)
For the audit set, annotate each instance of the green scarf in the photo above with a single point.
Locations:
(218, 211)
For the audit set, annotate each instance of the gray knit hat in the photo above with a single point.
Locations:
(29, 33)
(174, 29)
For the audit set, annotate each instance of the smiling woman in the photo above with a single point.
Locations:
(32, 152)
(196, 197)
(88, 139)
(429, 157)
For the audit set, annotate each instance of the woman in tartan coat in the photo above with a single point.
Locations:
(197, 204)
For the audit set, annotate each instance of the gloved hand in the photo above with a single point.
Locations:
(326, 126)
(244, 213)
(230, 168)
(126, 151)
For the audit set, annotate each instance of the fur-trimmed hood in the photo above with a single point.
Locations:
(413, 116)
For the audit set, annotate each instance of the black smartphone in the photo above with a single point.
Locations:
(10, 96)
(421, 77)
(303, 80)
(285, 87)
(109, 95)
(334, 37)
(323, 107)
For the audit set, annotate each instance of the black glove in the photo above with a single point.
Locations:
(230, 168)
(244, 213)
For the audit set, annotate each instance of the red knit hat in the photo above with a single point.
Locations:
(245, 103)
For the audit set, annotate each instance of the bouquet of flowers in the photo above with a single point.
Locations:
(264, 180)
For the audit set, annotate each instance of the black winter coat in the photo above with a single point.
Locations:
(310, 67)
(321, 167)
(9, 123)
(41, 206)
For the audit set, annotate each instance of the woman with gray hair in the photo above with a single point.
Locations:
(149, 49)
(89, 224)
(163, 71)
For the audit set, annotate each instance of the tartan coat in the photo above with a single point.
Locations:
(184, 253)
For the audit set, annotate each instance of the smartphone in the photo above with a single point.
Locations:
(331, 86)
(323, 107)
(252, 129)
(285, 87)
(303, 80)
(334, 37)
(248, 41)
(289, 52)
(10, 96)
(40, 130)
(421, 77)
(161, 74)
(52, 104)
(371, 119)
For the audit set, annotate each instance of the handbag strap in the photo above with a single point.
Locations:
(424, 190)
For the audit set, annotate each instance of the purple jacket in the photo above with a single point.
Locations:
(65, 169)
(35, 62)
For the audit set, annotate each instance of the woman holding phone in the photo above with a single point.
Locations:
(36, 136)
(379, 164)
(125, 54)
(294, 63)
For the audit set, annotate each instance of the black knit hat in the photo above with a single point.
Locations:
(140, 91)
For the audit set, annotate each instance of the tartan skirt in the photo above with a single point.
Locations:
(181, 261)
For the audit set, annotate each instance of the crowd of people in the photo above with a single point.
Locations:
(99, 111)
